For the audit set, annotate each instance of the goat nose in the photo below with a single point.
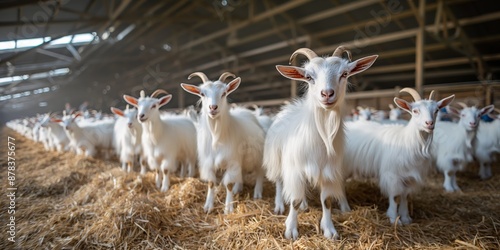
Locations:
(430, 123)
(473, 124)
(213, 107)
(327, 93)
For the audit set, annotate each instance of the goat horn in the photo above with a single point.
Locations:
(201, 75)
(64, 112)
(340, 50)
(359, 108)
(157, 92)
(225, 75)
(143, 94)
(431, 95)
(304, 51)
(127, 107)
(497, 110)
(391, 106)
(413, 93)
(462, 104)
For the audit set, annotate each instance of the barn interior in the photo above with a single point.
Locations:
(62, 51)
(89, 53)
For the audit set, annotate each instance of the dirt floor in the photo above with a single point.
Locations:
(65, 201)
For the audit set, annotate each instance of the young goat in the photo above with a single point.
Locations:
(167, 141)
(229, 139)
(305, 143)
(127, 138)
(397, 155)
(453, 143)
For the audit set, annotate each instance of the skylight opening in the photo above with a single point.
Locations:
(7, 45)
(28, 43)
(83, 38)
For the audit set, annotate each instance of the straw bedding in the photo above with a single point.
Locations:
(69, 202)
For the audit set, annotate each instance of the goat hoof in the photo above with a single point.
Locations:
(292, 234)
(406, 220)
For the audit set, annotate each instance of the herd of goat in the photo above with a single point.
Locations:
(308, 143)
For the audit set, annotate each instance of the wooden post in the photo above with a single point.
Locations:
(293, 89)
(181, 95)
(419, 64)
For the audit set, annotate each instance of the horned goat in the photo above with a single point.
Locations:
(305, 143)
(229, 139)
(396, 155)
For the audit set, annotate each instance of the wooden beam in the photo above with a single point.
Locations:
(420, 43)
(281, 8)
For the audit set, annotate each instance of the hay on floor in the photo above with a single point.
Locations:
(69, 202)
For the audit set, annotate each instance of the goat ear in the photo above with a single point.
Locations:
(445, 101)
(292, 72)
(164, 100)
(362, 64)
(117, 111)
(486, 110)
(233, 85)
(55, 120)
(130, 100)
(195, 90)
(404, 105)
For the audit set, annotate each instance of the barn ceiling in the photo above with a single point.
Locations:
(146, 44)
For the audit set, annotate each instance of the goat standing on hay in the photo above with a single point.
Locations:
(166, 141)
(453, 143)
(127, 138)
(229, 139)
(305, 143)
(487, 145)
(88, 137)
(397, 155)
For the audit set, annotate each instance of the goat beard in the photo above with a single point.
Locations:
(327, 123)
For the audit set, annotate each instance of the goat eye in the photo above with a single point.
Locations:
(416, 111)
(154, 106)
(344, 74)
(202, 94)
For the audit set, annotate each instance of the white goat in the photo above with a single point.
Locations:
(364, 114)
(229, 139)
(487, 145)
(127, 138)
(88, 138)
(265, 121)
(453, 143)
(58, 140)
(397, 155)
(305, 143)
(167, 141)
(394, 113)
